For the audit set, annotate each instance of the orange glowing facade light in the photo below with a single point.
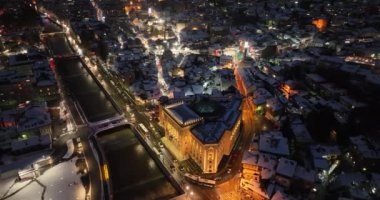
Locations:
(126, 9)
(7, 124)
(105, 173)
(287, 88)
(129, 8)
(321, 24)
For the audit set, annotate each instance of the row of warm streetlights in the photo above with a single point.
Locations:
(80, 52)
(189, 192)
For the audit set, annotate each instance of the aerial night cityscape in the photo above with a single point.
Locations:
(189, 99)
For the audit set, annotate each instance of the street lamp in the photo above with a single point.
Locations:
(246, 45)
(187, 192)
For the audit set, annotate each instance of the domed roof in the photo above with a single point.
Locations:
(208, 108)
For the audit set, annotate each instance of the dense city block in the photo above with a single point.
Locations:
(189, 99)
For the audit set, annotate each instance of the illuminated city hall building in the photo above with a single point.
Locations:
(204, 129)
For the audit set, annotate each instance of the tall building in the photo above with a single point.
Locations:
(205, 129)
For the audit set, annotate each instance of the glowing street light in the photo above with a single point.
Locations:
(80, 51)
(246, 45)
(188, 192)
(105, 172)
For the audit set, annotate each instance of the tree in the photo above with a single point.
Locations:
(320, 124)
(168, 54)
(269, 52)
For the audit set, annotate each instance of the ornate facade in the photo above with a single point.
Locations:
(205, 130)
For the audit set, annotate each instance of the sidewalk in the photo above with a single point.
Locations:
(173, 150)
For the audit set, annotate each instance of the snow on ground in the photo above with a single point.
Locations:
(5, 185)
(61, 181)
(32, 191)
(17, 186)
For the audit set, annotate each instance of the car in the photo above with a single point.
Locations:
(229, 170)
(161, 145)
(181, 168)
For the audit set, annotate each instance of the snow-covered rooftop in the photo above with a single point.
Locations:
(182, 114)
(286, 167)
(274, 142)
